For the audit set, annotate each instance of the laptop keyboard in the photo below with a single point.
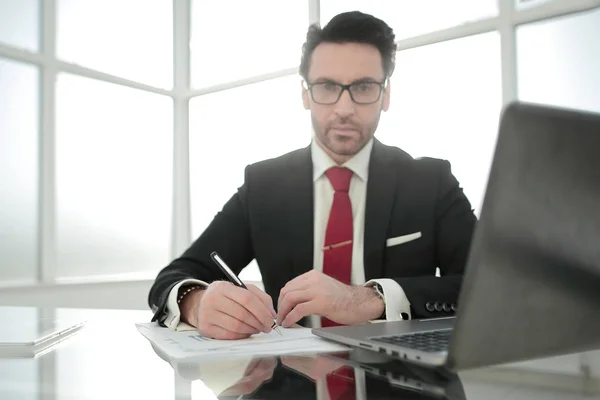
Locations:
(430, 342)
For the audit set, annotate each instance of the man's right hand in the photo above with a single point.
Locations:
(226, 311)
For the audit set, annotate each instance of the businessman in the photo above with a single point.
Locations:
(346, 230)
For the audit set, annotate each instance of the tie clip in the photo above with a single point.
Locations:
(333, 246)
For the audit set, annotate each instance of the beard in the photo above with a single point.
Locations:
(344, 142)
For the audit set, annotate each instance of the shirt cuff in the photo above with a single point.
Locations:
(396, 302)
(172, 320)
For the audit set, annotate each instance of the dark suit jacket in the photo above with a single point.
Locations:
(270, 218)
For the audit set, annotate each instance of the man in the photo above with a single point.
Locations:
(346, 230)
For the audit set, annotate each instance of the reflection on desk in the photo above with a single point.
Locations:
(110, 359)
(301, 376)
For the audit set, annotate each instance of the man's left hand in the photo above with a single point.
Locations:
(317, 293)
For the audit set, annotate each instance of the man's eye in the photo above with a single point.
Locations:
(330, 87)
(363, 87)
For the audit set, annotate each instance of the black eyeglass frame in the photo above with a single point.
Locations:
(309, 87)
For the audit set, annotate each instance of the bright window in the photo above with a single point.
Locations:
(234, 39)
(445, 103)
(19, 23)
(132, 39)
(415, 17)
(559, 61)
(233, 128)
(19, 177)
(113, 177)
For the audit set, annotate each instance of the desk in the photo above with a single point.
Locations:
(110, 359)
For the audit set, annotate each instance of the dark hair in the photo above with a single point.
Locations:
(352, 26)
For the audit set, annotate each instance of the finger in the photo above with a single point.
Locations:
(217, 332)
(253, 363)
(239, 313)
(232, 324)
(264, 366)
(270, 364)
(256, 373)
(293, 285)
(291, 300)
(265, 298)
(215, 302)
(253, 304)
(301, 279)
(300, 311)
(244, 386)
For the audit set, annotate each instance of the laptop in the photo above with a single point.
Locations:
(532, 279)
(410, 380)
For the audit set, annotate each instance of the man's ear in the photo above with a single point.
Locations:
(386, 96)
(305, 101)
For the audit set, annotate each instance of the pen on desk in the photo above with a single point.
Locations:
(234, 279)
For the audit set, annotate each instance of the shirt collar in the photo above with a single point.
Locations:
(358, 164)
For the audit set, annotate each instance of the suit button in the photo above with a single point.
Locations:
(438, 306)
(429, 307)
(453, 307)
(446, 307)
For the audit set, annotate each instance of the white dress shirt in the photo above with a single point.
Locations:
(396, 302)
(395, 299)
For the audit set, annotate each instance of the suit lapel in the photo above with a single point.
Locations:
(298, 197)
(385, 176)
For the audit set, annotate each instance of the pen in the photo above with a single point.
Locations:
(234, 279)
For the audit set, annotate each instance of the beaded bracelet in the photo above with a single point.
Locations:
(187, 291)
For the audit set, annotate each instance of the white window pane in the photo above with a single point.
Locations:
(559, 61)
(19, 23)
(412, 18)
(233, 128)
(132, 39)
(113, 178)
(445, 102)
(19, 132)
(235, 39)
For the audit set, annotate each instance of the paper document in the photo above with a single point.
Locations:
(189, 344)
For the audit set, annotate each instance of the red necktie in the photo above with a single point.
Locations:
(337, 249)
(340, 383)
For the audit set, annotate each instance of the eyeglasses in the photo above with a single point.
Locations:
(363, 92)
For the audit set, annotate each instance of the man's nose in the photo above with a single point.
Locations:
(345, 106)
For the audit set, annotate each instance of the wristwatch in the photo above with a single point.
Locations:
(379, 291)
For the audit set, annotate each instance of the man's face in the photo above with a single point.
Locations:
(344, 128)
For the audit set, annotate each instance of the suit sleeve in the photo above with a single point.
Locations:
(432, 296)
(228, 234)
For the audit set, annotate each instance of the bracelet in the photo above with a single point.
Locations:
(187, 291)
